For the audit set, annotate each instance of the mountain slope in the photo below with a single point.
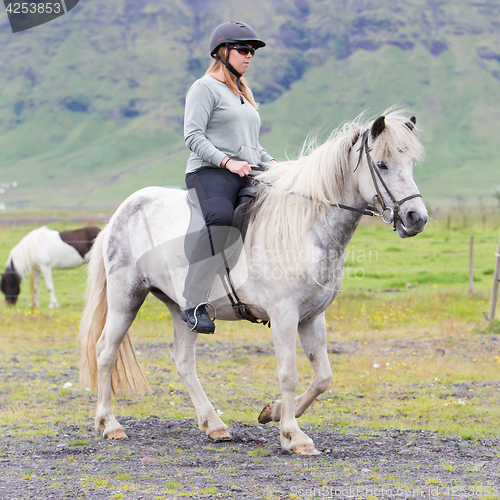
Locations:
(91, 104)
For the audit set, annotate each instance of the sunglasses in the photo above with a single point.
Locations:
(244, 50)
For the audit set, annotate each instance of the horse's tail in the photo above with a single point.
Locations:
(127, 377)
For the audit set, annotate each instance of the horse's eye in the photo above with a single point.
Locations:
(381, 165)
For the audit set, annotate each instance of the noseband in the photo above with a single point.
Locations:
(390, 215)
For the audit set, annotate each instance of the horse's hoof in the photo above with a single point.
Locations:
(266, 414)
(119, 434)
(306, 450)
(221, 435)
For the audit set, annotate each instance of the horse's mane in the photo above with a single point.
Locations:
(23, 254)
(293, 194)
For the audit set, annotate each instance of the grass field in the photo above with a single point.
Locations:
(409, 346)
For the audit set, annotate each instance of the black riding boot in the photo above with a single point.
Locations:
(198, 320)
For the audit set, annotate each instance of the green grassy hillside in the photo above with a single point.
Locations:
(459, 119)
(91, 104)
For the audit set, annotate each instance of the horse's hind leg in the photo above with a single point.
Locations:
(122, 310)
(313, 338)
(184, 353)
(49, 283)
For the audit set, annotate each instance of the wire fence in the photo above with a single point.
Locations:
(456, 231)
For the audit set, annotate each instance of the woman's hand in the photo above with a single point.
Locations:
(241, 168)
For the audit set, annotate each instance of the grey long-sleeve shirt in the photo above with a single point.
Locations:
(216, 125)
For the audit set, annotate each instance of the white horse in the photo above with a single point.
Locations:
(289, 272)
(39, 252)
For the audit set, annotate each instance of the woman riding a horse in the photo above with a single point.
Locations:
(221, 128)
(290, 268)
(306, 212)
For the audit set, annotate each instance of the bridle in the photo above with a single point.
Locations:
(390, 215)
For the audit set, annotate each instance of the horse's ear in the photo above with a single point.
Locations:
(378, 126)
(411, 124)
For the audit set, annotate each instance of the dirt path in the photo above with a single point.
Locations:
(166, 459)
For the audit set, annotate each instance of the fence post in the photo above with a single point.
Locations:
(471, 265)
(494, 295)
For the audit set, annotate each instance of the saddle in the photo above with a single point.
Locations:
(243, 210)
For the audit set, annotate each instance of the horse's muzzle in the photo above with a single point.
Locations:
(414, 222)
(11, 301)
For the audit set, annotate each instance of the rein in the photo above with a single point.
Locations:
(366, 211)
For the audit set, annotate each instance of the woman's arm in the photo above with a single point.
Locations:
(265, 157)
(200, 103)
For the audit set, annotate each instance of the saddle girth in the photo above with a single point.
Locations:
(241, 310)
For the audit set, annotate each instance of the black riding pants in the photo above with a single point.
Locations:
(217, 192)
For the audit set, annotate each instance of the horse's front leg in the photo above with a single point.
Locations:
(47, 276)
(35, 287)
(184, 354)
(313, 338)
(284, 331)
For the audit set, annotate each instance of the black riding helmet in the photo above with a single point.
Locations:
(233, 32)
(230, 33)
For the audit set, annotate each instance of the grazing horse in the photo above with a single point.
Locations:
(289, 272)
(40, 251)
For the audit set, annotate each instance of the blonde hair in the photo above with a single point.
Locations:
(229, 78)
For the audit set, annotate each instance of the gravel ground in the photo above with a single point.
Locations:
(172, 459)
(167, 459)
